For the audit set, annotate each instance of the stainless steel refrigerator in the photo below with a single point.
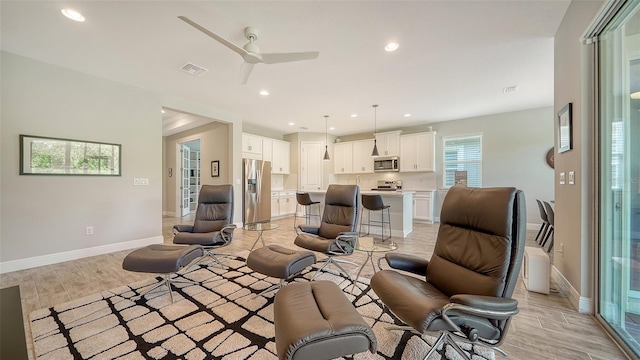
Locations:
(256, 190)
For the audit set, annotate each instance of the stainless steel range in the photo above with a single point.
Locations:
(388, 185)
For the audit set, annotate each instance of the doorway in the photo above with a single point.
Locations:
(188, 161)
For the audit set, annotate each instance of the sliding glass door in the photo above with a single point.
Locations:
(619, 175)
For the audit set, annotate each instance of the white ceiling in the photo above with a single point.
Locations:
(454, 59)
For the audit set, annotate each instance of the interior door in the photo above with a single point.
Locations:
(185, 168)
(311, 153)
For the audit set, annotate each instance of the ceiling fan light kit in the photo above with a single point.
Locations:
(250, 52)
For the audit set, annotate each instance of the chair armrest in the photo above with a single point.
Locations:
(410, 263)
(344, 243)
(311, 229)
(486, 306)
(182, 228)
(485, 302)
(227, 232)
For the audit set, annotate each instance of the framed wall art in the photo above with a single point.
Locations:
(215, 168)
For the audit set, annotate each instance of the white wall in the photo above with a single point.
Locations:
(47, 215)
(573, 69)
(43, 218)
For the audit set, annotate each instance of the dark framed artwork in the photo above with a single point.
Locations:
(54, 156)
(215, 168)
(565, 131)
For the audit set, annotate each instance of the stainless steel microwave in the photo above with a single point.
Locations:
(385, 164)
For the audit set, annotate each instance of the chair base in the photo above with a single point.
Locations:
(336, 263)
(210, 255)
(167, 281)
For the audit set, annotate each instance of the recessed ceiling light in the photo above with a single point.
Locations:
(392, 46)
(407, 115)
(162, 111)
(264, 92)
(332, 128)
(635, 95)
(73, 15)
(291, 123)
(354, 115)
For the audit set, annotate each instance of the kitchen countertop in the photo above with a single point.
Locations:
(397, 193)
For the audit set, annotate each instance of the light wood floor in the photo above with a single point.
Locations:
(547, 327)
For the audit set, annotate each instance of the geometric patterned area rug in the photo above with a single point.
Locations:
(220, 318)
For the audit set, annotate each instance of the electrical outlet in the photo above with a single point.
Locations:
(561, 250)
(88, 230)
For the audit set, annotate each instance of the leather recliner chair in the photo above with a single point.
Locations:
(336, 235)
(213, 226)
(466, 288)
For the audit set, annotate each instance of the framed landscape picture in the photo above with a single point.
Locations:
(565, 135)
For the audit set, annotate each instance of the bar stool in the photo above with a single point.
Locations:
(551, 219)
(375, 203)
(303, 199)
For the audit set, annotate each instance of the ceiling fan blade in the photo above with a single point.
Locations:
(220, 39)
(276, 58)
(245, 71)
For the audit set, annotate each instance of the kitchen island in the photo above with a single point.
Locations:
(401, 210)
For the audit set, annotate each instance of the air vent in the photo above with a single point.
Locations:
(304, 128)
(193, 69)
(510, 89)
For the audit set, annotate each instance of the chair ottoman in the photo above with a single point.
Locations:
(162, 259)
(316, 321)
(279, 262)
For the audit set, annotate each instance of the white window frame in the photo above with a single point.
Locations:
(445, 162)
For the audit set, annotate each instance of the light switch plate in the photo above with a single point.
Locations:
(562, 178)
(141, 181)
(572, 177)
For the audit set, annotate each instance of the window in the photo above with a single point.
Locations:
(463, 154)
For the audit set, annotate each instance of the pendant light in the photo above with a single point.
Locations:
(326, 135)
(375, 130)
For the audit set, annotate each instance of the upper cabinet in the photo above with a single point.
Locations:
(417, 152)
(267, 149)
(251, 146)
(388, 143)
(362, 159)
(343, 158)
(278, 152)
(281, 157)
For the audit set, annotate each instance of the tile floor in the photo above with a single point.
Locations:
(547, 327)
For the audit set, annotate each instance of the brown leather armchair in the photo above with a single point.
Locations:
(466, 289)
(336, 235)
(213, 226)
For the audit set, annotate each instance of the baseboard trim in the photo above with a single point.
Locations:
(28, 263)
(583, 304)
(169, 213)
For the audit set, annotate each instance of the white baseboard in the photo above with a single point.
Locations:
(27, 263)
(584, 305)
(169, 213)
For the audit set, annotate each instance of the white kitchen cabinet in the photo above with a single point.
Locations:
(267, 149)
(281, 155)
(362, 159)
(343, 158)
(287, 203)
(388, 143)
(251, 146)
(423, 206)
(283, 203)
(275, 209)
(417, 152)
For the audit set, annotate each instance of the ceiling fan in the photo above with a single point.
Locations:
(250, 51)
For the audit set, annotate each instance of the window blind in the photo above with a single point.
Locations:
(463, 154)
